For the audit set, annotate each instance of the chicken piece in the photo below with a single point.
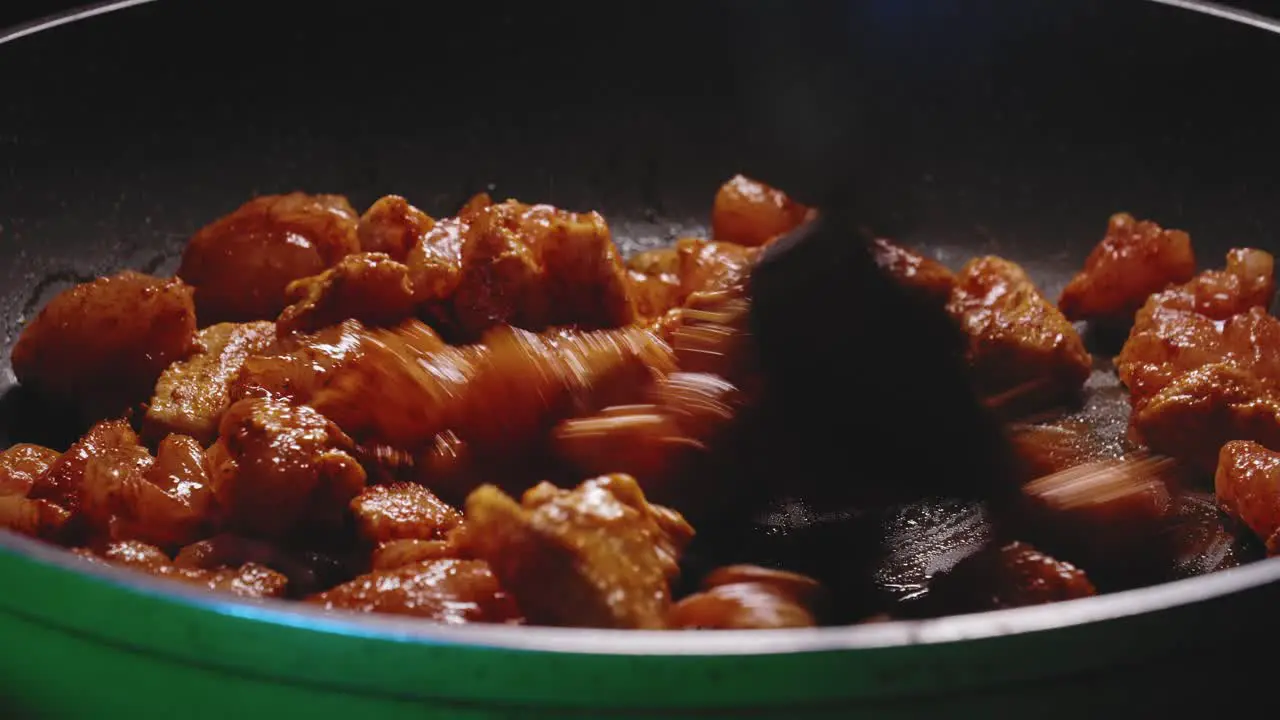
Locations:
(1183, 328)
(536, 267)
(395, 554)
(473, 206)
(277, 468)
(435, 261)
(1007, 576)
(926, 276)
(101, 345)
(35, 518)
(1042, 450)
(1135, 259)
(241, 264)
(165, 501)
(297, 366)
(308, 573)
(192, 394)
(448, 591)
(368, 287)
(249, 580)
(658, 443)
(1196, 414)
(21, 464)
(745, 597)
(402, 511)
(1016, 337)
(654, 278)
(1106, 515)
(711, 266)
(61, 484)
(748, 212)
(392, 226)
(1247, 486)
(509, 390)
(596, 556)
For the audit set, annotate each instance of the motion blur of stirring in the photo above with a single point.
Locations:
(867, 385)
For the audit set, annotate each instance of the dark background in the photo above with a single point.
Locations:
(18, 11)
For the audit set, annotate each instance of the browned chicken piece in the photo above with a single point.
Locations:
(249, 580)
(277, 468)
(398, 553)
(192, 394)
(712, 334)
(1008, 576)
(61, 484)
(392, 226)
(435, 262)
(654, 277)
(711, 266)
(21, 464)
(926, 276)
(1186, 327)
(448, 591)
(295, 367)
(368, 287)
(1135, 259)
(1247, 485)
(403, 511)
(101, 345)
(308, 572)
(746, 597)
(507, 391)
(165, 501)
(240, 264)
(1196, 414)
(538, 266)
(596, 556)
(1051, 448)
(659, 442)
(1017, 338)
(473, 206)
(1103, 514)
(748, 212)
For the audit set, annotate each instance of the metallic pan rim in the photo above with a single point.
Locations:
(632, 642)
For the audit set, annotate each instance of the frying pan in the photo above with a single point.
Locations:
(1024, 125)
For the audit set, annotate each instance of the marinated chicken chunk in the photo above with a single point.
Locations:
(368, 287)
(307, 572)
(392, 226)
(1201, 410)
(1051, 448)
(101, 345)
(62, 483)
(1008, 576)
(435, 264)
(1017, 338)
(710, 266)
(192, 394)
(659, 442)
(403, 511)
(399, 553)
(536, 266)
(249, 580)
(241, 264)
(654, 277)
(447, 591)
(166, 500)
(21, 464)
(1247, 485)
(1135, 259)
(596, 556)
(506, 391)
(746, 597)
(1186, 327)
(748, 212)
(277, 468)
(926, 276)
(298, 365)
